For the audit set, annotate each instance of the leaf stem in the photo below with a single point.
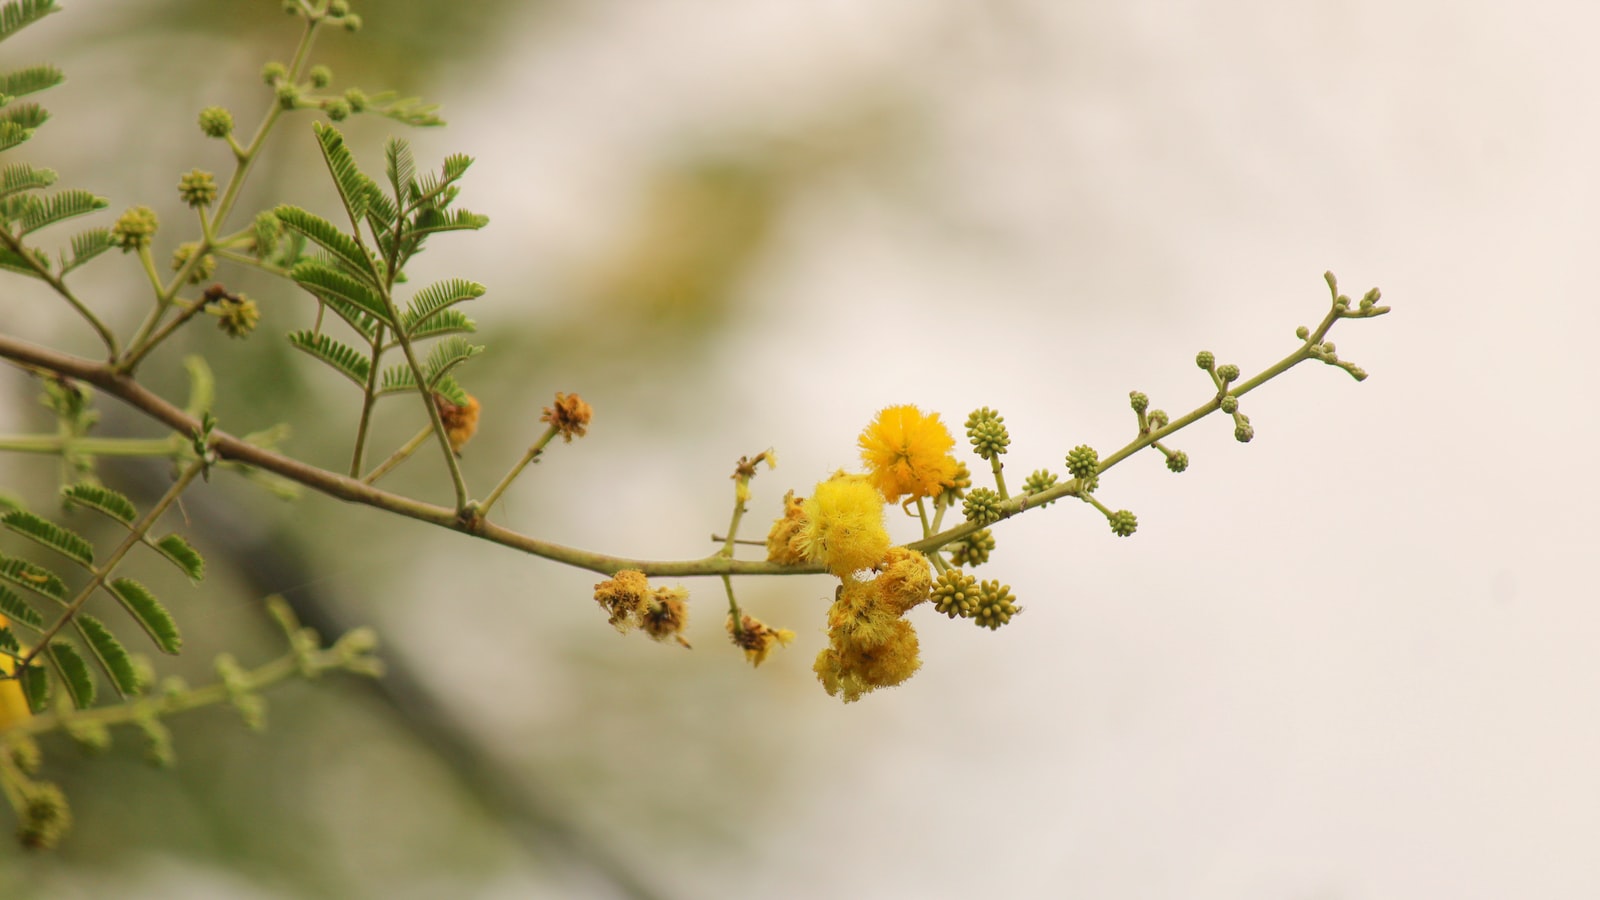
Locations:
(528, 457)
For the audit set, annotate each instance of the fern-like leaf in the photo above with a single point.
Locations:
(28, 115)
(326, 282)
(86, 246)
(449, 321)
(9, 645)
(74, 672)
(57, 207)
(322, 232)
(410, 110)
(17, 610)
(151, 615)
(29, 80)
(112, 656)
(347, 360)
(438, 296)
(183, 556)
(103, 500)
(431, 221)
(355, 188)
(12, 134)
(35, 687)
(401, 169)
(12, 261)
(18, 14)
(19, 177)
(33, 578)
(448, 354)
(48, 534)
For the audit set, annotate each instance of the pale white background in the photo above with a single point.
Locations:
(1353, 659)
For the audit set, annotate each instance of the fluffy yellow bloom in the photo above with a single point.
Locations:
(907, 452)
(852, 669)
(783, 546)
(843, 526)
(904, 578)
(13, 705)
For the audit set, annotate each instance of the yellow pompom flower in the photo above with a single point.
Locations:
(843, 526)
(907, 452)
(849, 669)
(13, 705)
(783, 545)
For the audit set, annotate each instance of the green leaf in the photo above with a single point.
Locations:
(17, 610)
(410, 110)
(355, 188)
(326, 282)
(11, 261)
(57, 207)
(401, 169)
(34, 578)
(450, 321)
(183, 556)
(74, 673)
(102, 499)
(12, 134)
(46, 533)
(86, 246)
(35, 687)
(446, 355)
(29, 80)
(111, 655)
(346, 359)
(18, 14)
(151, 615)
(19, 177)
(431, 221)
(28, 115)
(8, 642)
(438, 296)
(323, 233)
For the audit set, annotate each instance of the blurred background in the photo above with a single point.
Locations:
(1352, 659)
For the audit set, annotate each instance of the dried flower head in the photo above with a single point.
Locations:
(625, 597)
(907, 452)
(783, 540)
(757, 638)
(666, 613)
(460, 421)
(570, 416)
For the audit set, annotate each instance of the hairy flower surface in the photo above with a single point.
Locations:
(757, 638)
(625, 597)
(460, 422)
(783, 544)
(570, 416)
(843, 526)
(13, 705)
(907, 452)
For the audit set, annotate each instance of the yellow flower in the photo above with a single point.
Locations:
(460, 422)
(570, 416)
(757, 638)
(907, 452)
(904, 578)
(851, 669)
(626, 597)
(782, 546)
(13, 705)
(843, 526)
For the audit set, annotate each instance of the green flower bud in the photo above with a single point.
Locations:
(1040, 480)
(45, 817)
(237, 315)
(1123, 522)
(1205, 360)
(955, 594)
(134, 229)
(198, 188)
(1138, 400)
(1177, 461)
(357, 98)
(337, 110)
(996, 606)
(25, 754)
(1083, 462)
(202, 271)
(974, 549)
(1228, 373)
(958, 484)
(1158, 418)
(1229, 404)
(274, 72)
(292, 7)
(981, 506)
(339, 8)
(986, 430)
(1328, 348)
(216, 122)
(351, 22)
(1302, 332)
(321, 76)
(1242, 432)
(1371, 298)
(288, 95)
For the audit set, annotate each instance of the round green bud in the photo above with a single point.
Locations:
(25, 753)
(337, 110)
(288, 95)
(1302, 332)
(1242, 432)
(1229, 404)
(1328, 348)
(981, 506)
(357, 98)
(203, 270)
(292, 7)
(351, 22)
(1123, 522)
(1371, 298)
(237, 316)
(134, 229)
(216, 122)
(986, 430)
(321, 76)
(1083, 461)
(1138, 400)
(1205, 360)
(1158, 418)
(996, 606)
(1228, 373)
(1342, 301)
(1177, 461)
(1040, 480)
(44, 818)
(974, 549)
(198, 188)
(339, 8)
(955, 594)
(274, 72)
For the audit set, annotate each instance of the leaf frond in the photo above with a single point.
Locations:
(18, 14)
(401, 169)
(449, 321)
(12, 261)
(86, 246)
(342, 357)
(12, 134)
(33, 578)
(112, 656)
(150, 614)
(431, 221)
(436, 297)
(29, 80)
(46, 533)
(326, 282)
(17, 610)
(74, 672)
(8, 642)
(446, 355)
(103, 500)
(56, 207)
(355, 188)
(182, 555)
(28, 115)
(18, 177)
(320, 231)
